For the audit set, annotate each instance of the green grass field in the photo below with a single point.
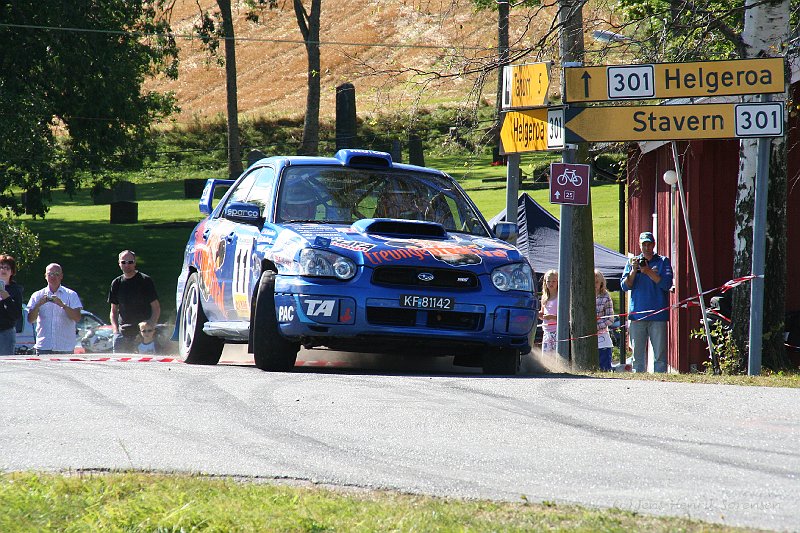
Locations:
(78, 235)
(143, 502)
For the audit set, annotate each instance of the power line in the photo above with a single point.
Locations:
(190, 36)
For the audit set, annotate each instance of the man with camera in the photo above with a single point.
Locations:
(56, 311)
(648, 277)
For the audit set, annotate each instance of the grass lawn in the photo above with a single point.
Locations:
(143, 502)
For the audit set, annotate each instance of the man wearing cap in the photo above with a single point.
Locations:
(648, 277)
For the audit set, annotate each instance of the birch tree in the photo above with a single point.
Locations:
(765, 34)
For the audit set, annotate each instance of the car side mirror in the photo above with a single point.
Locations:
(243, 212)
(507, 231)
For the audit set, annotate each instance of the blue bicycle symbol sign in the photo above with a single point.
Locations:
(569, 175)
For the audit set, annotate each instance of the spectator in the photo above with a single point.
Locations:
(548, 311)
(648, 277)
(133, 299)
(605, 317)
(148, 341)
(56, 311)
(10, 305)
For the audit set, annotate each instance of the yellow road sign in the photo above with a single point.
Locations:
(532, 130)
(674, 80)
(673, 122)
(526, 85)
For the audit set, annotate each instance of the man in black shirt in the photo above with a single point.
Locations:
(133, 299)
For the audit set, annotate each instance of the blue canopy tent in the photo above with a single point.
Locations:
(538, 240)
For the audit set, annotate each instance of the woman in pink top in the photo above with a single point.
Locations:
(548, 310)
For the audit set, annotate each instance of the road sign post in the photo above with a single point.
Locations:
(674, 80)
(526, 85)
(673, 122)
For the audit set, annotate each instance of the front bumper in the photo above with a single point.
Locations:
(332, 313)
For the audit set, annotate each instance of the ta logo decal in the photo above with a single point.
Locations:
(320, 307)
(285, 313)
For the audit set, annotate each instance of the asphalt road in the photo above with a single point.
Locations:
(718, 453)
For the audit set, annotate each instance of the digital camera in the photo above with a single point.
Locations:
(642, 261)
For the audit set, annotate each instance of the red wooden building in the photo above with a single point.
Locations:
(709, 171)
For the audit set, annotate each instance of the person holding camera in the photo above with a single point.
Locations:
(648, 278)
(10, 305)
(56, 311)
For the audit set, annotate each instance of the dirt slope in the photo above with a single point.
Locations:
(360, 39)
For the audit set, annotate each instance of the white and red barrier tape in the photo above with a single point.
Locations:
(69, 359)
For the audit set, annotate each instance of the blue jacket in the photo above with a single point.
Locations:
(646, 295)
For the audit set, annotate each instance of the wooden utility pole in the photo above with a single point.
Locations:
(576, 276)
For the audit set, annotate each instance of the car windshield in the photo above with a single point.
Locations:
(334, 195)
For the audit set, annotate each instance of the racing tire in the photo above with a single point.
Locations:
(194, 345)
(502, 362)
(271, 350)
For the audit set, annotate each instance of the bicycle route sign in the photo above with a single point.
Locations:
(569, 183)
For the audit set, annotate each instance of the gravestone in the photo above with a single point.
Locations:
(124, 212)
(346, 116)
(415, 154)
(193, 187)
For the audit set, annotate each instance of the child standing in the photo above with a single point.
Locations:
(548, 311)
(605, 311)
(148, 343)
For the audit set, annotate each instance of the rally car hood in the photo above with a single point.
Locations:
(390, 242)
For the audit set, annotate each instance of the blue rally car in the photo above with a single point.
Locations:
(354, 253)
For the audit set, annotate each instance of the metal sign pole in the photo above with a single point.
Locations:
(759, 252)
(714, 358)
(512, 188)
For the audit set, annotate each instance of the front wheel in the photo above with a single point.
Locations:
(194, 345)
(504, 362)
(271, 351)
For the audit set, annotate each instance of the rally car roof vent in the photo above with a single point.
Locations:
(364, 158)
(406, 228)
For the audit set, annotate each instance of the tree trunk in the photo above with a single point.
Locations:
(503, 10)
(309, 27)
(234, 150)
(766, 27)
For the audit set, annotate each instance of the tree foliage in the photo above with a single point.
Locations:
(71, 76)
(17, 240)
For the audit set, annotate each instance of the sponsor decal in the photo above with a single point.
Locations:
(242, 274)
(346, 313)
(355, 246)
(322, 242)
(285, 313)
(320, 307)
(454, 255)
(204, 259)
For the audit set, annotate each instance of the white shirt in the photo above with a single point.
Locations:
(55, 331)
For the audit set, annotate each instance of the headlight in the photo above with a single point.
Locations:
(516, 277)
(319, 263)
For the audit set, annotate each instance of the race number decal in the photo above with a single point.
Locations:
(241, 276)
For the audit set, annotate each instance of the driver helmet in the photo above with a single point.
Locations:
(298, 201)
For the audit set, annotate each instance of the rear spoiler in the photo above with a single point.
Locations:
(207, 198)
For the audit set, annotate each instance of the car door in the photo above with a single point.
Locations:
(244, 268)
(219, 237)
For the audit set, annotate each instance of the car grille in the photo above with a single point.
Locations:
(409, 277)
(392, 316)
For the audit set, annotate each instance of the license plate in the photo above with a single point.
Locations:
(426, 302)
